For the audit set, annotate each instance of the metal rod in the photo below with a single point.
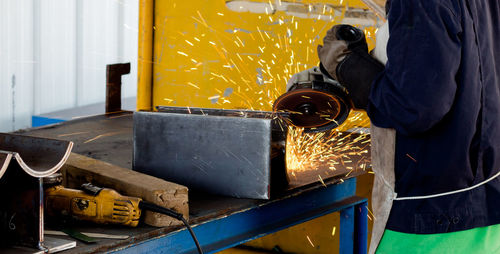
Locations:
(40, 217)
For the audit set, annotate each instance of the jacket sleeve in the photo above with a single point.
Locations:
(417, 88)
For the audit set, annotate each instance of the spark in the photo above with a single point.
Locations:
(271, 5)
(267, 35)
(235, 66)
(333, 230)
(309, 239)
(352, 169)
(371, 213)
(321, 180)
(193, 85)
(306, 151)
(182, 53)
(220, 76)
(241, 59)
(188, 42)
(258, 29)
(413, 159)
(72, 134)
(202, 19)
(102, 136)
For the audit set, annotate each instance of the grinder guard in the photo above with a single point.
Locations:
(314, 101)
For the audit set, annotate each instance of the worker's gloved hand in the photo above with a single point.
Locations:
(344, 56)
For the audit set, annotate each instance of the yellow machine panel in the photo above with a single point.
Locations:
(239, 54)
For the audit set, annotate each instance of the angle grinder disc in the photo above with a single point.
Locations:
(314, 110)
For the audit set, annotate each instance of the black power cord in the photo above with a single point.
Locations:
(143, 205)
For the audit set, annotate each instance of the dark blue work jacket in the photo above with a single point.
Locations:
(441, 92)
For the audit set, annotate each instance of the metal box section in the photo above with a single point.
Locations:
(226, 152)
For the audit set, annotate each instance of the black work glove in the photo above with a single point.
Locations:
(344, 56)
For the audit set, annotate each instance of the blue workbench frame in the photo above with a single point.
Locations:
(240, 227)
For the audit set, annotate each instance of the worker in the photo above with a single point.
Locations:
(435, 108)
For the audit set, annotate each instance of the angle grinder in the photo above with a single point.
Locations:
(313, 101)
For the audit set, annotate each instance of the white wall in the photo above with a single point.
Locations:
(53, 54)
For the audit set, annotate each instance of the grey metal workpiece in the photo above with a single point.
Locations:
(226, 155)
(219, 222)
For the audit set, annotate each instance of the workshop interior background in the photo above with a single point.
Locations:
(233, 54)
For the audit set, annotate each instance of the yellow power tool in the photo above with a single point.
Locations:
(101, 205)
(98, 205)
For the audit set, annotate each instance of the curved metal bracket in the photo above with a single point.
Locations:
(38, 157)
(5, 158)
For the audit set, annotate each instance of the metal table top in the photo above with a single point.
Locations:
(109, 138)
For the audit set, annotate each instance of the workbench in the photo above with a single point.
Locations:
(219, 222)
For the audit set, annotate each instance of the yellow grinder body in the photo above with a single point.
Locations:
(98, 205)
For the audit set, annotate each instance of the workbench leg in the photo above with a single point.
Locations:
(361, 232)
(346, 244)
